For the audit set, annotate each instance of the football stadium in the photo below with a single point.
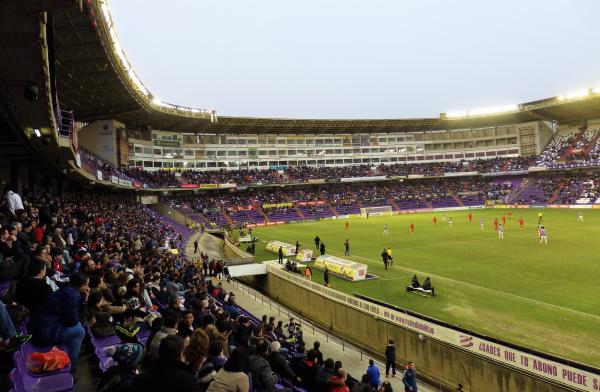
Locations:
(152, 246)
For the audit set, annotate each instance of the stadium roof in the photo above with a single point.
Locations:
(95, 80)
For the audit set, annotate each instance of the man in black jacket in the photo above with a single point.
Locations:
(390, 358)
(279, 364)
(323, 375)
(263, 379)
(23, 236)
(33, 291)
(168, 373)
(308, 370)
(318, 353)
(14, 263)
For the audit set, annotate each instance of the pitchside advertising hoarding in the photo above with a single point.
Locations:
(355, 179)
(537, 366)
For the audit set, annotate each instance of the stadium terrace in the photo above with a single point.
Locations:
(151, 246)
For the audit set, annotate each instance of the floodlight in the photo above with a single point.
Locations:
(577, 94)
(456, 113)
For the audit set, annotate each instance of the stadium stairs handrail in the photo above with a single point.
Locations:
(326, 331)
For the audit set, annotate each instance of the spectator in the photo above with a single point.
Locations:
(13, 201)
(215, 354)
(57, 321)
(169, 372)
(364, 385)
(120, 378)
(318, 353)
(373, 372)
(308, 370)
(186, 325)
(9, 338)
(231, 378)
(337, 382)
(390, 358)
(170, 322)
(386, 387)
(34, 291)
(279, 364)
(14, 263)
(409, 378)
(263, 379)
(298, 357)
(323, 375)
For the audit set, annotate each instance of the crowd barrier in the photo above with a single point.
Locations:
(448, 354)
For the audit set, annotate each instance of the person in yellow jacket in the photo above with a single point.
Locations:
(390, 258)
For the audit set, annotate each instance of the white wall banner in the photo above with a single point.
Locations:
(450, 209)
(569, 376)
(125, 182)
(99, 175)
(461, 174)
(114, 179)
(353, 179)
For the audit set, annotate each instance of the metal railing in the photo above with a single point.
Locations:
(364, 353)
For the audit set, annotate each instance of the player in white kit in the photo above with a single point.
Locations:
(543, 235)
(501, 231)
(385, 230)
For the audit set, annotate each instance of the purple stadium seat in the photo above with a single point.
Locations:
(49, 382)
(105, 360)
(26, 349)
(105, 342)
(15, 381)
(4, 287)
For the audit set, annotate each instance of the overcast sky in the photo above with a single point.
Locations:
(359, 59)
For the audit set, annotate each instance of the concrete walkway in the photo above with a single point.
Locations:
(207, 243)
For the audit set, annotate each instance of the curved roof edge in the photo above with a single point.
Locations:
(126, 99)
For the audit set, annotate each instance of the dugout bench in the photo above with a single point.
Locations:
(421, 291)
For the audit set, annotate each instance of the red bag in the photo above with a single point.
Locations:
(50, 361)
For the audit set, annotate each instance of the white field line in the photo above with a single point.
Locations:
(500, 292)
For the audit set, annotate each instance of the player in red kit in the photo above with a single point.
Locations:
(503, 220)
(434, 220)
(347, 226)
(412, 227)
(496, 224)
(509, 215)
(521, 223)
(470, 217)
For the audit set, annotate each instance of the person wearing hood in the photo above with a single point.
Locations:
(390, 358)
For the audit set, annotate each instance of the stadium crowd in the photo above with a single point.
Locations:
(165, 178)
(99, 265)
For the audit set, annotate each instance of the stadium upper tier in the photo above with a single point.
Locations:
(96, 81)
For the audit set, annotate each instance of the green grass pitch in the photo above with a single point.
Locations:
(545, 297)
